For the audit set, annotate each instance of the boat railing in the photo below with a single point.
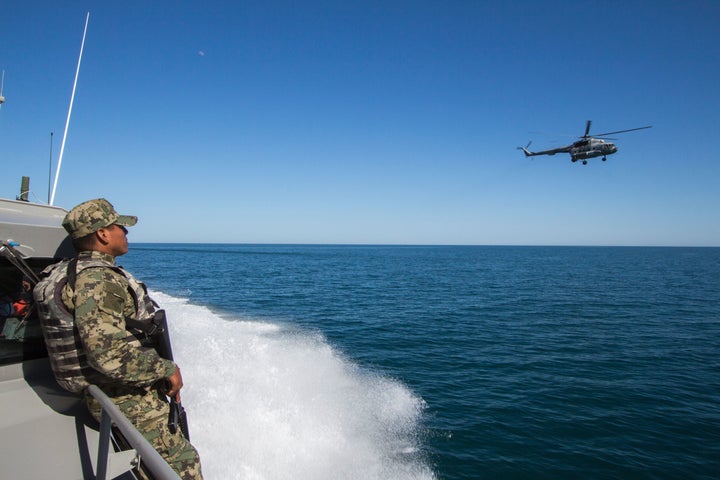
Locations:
(111, 464)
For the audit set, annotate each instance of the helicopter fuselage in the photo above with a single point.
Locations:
(590, 148)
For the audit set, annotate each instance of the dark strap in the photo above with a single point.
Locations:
(72, 273)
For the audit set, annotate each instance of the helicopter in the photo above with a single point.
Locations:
(587, 147)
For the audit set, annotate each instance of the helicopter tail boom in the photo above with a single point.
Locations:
(525, 150)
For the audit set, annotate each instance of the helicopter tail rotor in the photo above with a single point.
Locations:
(525, 149)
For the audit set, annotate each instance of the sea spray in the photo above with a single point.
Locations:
(268, 401)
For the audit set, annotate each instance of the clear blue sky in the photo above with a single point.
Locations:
(371, 122)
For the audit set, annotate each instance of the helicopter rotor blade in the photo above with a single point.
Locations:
(587, 128)
(622, 131)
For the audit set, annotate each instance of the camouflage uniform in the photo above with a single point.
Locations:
(130, 374)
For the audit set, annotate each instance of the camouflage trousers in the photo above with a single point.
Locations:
(149, 412)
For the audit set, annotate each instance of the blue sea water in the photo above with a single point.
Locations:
(446, 362)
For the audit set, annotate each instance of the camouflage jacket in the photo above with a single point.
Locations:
(101, 302)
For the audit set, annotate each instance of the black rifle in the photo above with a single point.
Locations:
(161, 339)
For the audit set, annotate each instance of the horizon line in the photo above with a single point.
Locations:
(419, 245)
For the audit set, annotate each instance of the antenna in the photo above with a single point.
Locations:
(67, 122)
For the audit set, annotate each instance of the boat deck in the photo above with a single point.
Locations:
(46, 431)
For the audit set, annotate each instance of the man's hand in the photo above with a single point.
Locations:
(176, 383)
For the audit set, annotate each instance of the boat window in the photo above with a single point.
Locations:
(20, 333)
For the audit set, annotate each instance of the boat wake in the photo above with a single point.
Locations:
(268, 402)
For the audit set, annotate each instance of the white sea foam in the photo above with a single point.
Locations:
(269, 402)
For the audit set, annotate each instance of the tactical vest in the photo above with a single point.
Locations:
(67, 354)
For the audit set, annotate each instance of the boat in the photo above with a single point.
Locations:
(45, 431)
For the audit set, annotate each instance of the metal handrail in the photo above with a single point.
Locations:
(142, 448)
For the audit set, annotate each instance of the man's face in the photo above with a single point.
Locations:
(117, 240)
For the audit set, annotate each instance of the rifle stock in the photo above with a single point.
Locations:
(161, 337)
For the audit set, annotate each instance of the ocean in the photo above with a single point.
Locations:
(431, 362)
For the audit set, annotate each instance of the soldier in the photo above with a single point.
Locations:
(102, 302)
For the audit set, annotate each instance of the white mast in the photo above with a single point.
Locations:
(67, 122)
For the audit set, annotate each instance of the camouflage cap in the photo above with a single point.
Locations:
(92, 215)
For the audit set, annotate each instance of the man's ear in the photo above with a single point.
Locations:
(102, 235)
